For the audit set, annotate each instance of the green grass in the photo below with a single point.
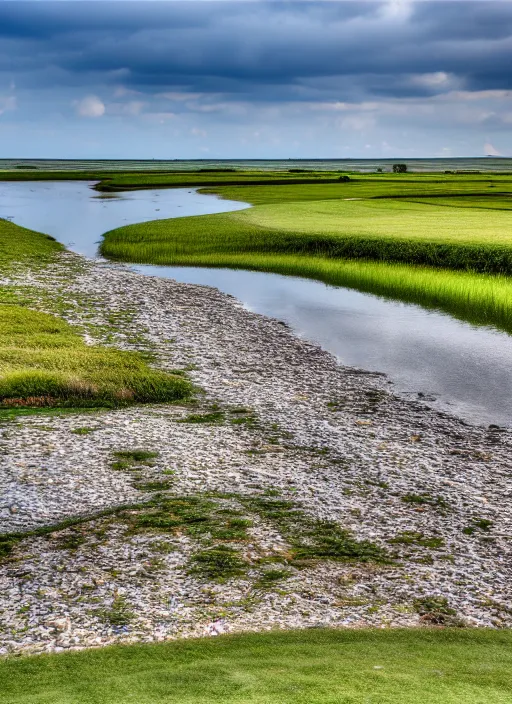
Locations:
(430, 185)
(394, 230)
(309, 667)
(479, 298)
(460, 246)
(19, 245)
(44, 362)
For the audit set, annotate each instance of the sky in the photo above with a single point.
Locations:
(209, 79)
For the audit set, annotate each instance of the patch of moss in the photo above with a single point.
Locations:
(218, 563)
(139, 456)
(213, 417)
(436, 611)
(119, 613)
(425, 499)
(415, 538)
(313, 539)
(482, 525)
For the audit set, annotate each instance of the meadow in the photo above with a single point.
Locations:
(44, 361)
(309, 667)
(443, 243)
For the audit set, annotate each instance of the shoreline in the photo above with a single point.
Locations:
(331, 440)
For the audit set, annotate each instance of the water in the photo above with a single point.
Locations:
(466, 369)
(483, 164)
(77, 216)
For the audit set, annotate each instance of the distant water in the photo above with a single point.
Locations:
(483, 164)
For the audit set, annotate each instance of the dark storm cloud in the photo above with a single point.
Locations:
(260, 51)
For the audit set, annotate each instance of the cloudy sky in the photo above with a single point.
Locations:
(241, 79)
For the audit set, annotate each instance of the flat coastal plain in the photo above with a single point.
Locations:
(292, 492)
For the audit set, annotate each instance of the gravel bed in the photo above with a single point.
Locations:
(333, 440)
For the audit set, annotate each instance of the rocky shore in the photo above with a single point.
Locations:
(280, 435)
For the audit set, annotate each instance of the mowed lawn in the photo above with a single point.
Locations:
(308, 667)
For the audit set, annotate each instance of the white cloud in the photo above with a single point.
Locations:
(132, 107)
(477, 95)
(90, 106)
(122, 92)
(179, 96)
(197, 132)
(439, 78)
(7, 103)
(161, 117)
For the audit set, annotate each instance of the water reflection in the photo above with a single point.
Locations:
(467, 369)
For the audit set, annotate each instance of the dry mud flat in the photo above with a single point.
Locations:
(292, 445)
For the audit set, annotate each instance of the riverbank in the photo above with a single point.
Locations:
(322, 499)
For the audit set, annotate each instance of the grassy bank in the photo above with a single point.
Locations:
(45, 362)
(481, 299)
(21, 246)
(456, 246)
(444, 236)
(311, 667)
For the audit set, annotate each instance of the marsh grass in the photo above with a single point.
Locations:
(445, 256)
(19, 245)
(44, 362)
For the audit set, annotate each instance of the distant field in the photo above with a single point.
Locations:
(310, 667)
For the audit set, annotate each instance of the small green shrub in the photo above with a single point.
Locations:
(478, 524)
(425, 499)
(270, 577)
(415, 538)
(7, 544)
(214, 417)
(70, 541)
(139, 456)
(436, 610)
(119, 613)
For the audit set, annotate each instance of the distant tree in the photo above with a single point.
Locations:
(344, 178)
(399, 168)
